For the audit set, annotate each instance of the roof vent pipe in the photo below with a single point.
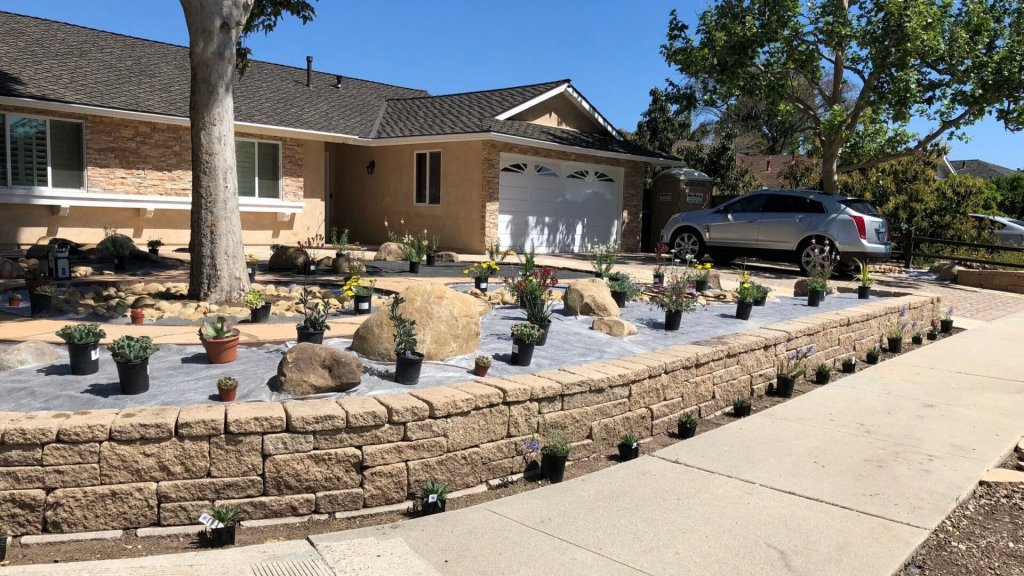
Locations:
(337, 81)
(309, 71)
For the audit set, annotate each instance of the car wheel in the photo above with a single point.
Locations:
(814, 254)
(687, 242)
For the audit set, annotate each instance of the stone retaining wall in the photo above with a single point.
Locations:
(108, 469)
(1003, 280)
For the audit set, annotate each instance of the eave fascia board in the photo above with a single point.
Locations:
(533, 102)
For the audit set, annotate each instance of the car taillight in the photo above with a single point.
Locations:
(862, 230)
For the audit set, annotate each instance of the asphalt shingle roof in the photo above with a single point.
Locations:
(981, 169)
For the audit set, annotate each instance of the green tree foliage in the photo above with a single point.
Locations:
(1011, 195)
(718, 160)
(666, 123)
(870, 66)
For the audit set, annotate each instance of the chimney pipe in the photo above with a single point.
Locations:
(309, 71)
(337, 81)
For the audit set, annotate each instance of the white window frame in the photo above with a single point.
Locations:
(256, 168)
(49, 167)
(440, 190)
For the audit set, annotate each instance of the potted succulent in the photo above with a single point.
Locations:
(228, 518)
(629, 447)
(745, 296)
(674, 299)
(849, 365)
(946, 322)
(131, 356)
(220, 339)
(227, 388)
(14, 300)
(361, 294)
(762, 294)
(864, 290)
(137, 315)
(602, 259)
(433, 497)
(822, 374)
(42, 300)
(816, 287)
(480, 366)
(933, 330)
(623, 288)
(314, 322)
(525, 337)
(741, 407)
(687, 426)
(432, 245)
(259, 308)
(154, 246)
(702, 277)
(660, 252)
(553, 456)
(873, 355)
(408, 361)
(791, 367)
(83, 347)
(480, 272)
(252, 263)
(538, 312)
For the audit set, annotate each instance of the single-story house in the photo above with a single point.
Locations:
(96, 132)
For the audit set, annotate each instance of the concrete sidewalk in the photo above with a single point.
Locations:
(847, 480)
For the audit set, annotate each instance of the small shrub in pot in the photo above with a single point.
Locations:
(3, 543)
(822, 374)
(538, 312)
(83, 346)
(629, 447)
(896, 333)
(746, 294)
(131, 355)
(553, 456)
(701, 277)
(41, 300)
(602, 259)
(408, 362)
(933, 330)
(917, 336)
(864, 290)
(154, 246)
(433, 497)
(259, 308)
(674, 298)
(873, 355)
(229, 518)
(252, 263)
(687, 426)
(762, 294)
(624, 289)
(481, 272)
(946, 322)
(314, 322)
(361, 293)
(480, 366)
(741, 407)
(524, 338)
(227, 388)
(791, 367)
(849, 365)
(220, 339)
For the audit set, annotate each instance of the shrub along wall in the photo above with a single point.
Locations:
(108, 469)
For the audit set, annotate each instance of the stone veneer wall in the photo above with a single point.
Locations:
(108, 469)
(1002, 280)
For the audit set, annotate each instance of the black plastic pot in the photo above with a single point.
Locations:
(480, 284)
(251, 271)
(414, 267)
(134, 377)
(41, 304)
(362, 304)
(261, 314)
(743, 310)
(522, 353)
(552, 467)
(85, 358)
(154, 251)
(761, 300)
(822, 378)
(629, 451)
(120, 263)
(700, 285)
(814, 298)
(933, 335)
(304, 334)
(917, 340)
(428, 508)
(673, 319)
(598, 275)
(741, 411)
(620, 298)
(849, 367)
(3, 549)
(895, 345)
(407, 370)
(225, 536)
(431, 259)
(686, 431)
(872, 359)
(784, 386)
(309, 268)
(946, 326)
(863, 292)
(659, 279)
(544, 328)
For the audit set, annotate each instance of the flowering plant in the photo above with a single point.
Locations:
(355, 286)
(675, 296)
(482, 269)
(747, 292)
(793, 365)
(603, 257)
(897, 331)
(414, 248)
(948, 314)
(534, 285)
(702, 272)
(660, 250)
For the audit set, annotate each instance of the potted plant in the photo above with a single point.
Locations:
(702, 277)
(916, 336)
(42, 300)
(339, 241)
(946, 322)
(480, 272)
(553, 456)
(933, 330)
(687, 426)
(228, 518)
(3, 544)
(432, 246)
(311, 248)
(259, 308)
(361, 294)
(220, 339)
(524, 338)
(762, 294)
(408, 361)
(822, 374)
(745, 296)
(83, 347)
(538, 312)
(602, 259)
(864, 290)
(741, 407)
(14, 300)
(227, 388)
(111, 244)
(480, 366)
(623, 288)
(661, 250)
(252, 263)
(154, 246)
(895, 334)
(791, 367)
(816, 286)
(314, 322)
(873, 355)
(629, 447)
(849, 365)
(674, 299)
(433, 497)
(131, 356)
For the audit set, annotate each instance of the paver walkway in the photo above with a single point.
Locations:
(847, 480)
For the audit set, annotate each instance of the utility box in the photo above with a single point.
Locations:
(59, 261)
(678, 190)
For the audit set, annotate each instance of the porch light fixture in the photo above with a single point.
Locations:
(370, 167)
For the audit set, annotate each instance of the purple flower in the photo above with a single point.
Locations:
(532, 444)
(903, 312)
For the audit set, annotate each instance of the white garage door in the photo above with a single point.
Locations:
(558, 206)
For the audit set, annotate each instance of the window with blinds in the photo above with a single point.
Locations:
(428, 178)
(259, 168)
(42, 153)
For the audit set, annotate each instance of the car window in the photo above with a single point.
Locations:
(751, 203)
(858, 205)
(787, 203)
(1015, 221)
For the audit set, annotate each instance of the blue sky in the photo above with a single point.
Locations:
(609, 48)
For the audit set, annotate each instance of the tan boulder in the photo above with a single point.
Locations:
(447, 257)
(287, 258)
(389, 252)
(590, 297)
(614, 326)
(9, 269)
(81, 272)
(27, 354)
(309, 369)
(800, 288)
(447, 324)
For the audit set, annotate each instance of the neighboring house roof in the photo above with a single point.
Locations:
(766, 168)
(68, 64)
(981, 169)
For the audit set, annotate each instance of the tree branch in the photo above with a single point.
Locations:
(914, 150)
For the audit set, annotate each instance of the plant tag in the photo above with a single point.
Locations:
(95, 354)
(634, 445)
(364, 305)
(147, 369)
(515, 349)
(432, 499)
(209, 522)
(483, 285)
(250, 270)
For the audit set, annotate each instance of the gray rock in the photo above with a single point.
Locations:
(27, 354)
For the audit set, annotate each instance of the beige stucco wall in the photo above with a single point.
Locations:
(149, 158)
(362, 201)
(560, 112)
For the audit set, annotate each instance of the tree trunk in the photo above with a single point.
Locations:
(218, 271)
(830, 167)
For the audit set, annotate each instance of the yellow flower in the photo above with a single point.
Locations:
(746, 285)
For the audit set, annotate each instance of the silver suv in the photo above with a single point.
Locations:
(786, 225)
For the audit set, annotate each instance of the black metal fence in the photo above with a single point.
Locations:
(908, 247)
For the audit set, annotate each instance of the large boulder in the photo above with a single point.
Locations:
(447, 324)
(287, 258)
(27, 354)
(447, 257)
(946, 271)
(590, 297)
(309, 369)
(614, 326)
(41, 249)
(10, 269)
(389, 252)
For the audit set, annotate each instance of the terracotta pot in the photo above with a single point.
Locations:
(227, 395)
(14, 301)
(138, 316)
(480, 371)
(224, 351)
